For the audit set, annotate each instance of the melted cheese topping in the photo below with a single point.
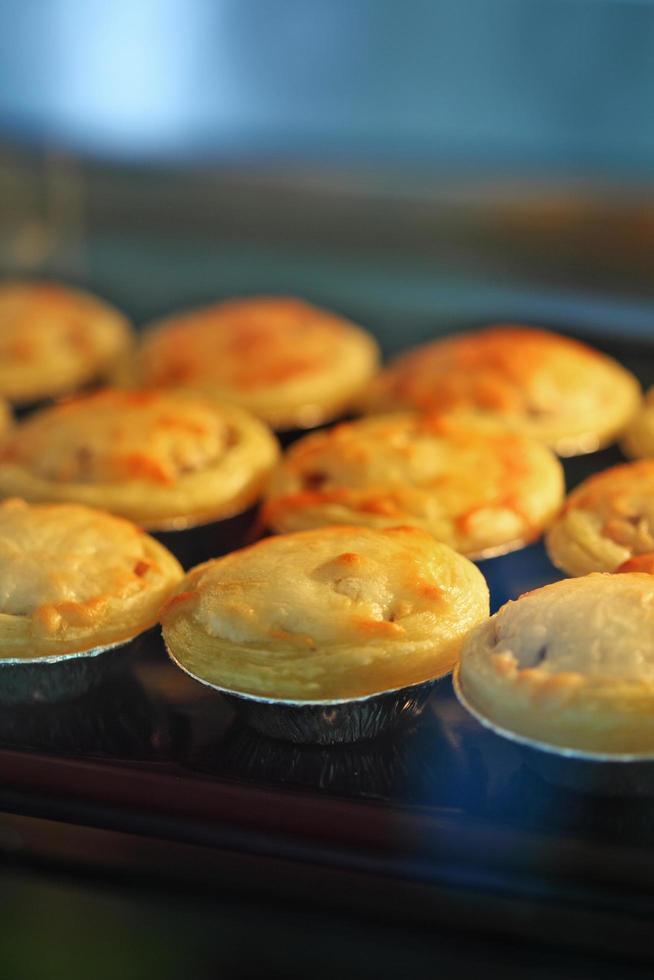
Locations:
(72, 578)
(288, 362)
(54, 339)
(472, 484)
(155, 457)
(326, 614)
(553, 388)
(607, 519)
(571, 664)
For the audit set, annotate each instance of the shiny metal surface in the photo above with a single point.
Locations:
(332, 721)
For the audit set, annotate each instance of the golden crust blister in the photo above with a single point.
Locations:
(553, 388)
(162, 459)
(470, 482)
(74, 579)
(569, 665)
(289, 363)
(332, 613)
(606, 520)
(55, 339)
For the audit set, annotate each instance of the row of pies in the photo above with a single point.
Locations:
(335, 615)
(364, 588)
(332, 613)
(184, 447)
(295, 366)
(171, 459)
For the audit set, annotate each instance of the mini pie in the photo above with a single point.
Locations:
(606, 520)
(471, 483)
(73, 579)
(162, 459)
(54, 339)
(571, 664)
(638, 439)
(558, 390)
(332, 613)
(289, 363)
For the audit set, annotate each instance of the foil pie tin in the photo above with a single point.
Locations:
(608, 774)
(45, 680)
(113, 718)
(324, 722)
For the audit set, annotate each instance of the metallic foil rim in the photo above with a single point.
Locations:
(62, 657)
(317, 703)
(559, 751)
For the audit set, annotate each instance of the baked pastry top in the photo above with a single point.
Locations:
(470, 482)
(638, 439)
(558, 390)
(571, 664)
(288, 362)
(54, 339)
(74, 579)
(332, 613)
(606, 520)
(163, 459)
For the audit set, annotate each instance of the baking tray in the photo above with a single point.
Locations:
(440, 813)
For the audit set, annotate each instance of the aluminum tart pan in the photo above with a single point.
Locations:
(325, 722)
(60, 677)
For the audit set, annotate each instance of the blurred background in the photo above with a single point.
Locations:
(417, 165)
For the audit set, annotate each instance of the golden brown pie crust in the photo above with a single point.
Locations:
(55, 339)
(556, 389)
(470, 482)
(162, 459)
(332, 613)
(73, 579)
(288, 362)
(570, 665)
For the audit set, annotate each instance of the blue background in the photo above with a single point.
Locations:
(565, 84)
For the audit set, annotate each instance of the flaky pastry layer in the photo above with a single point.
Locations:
(558, 390)
(332, 613)
(286, 361)
(162, 459)
(54, 339)
(606, 520)
(74, 579)
(471, 483)
(571, 664)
